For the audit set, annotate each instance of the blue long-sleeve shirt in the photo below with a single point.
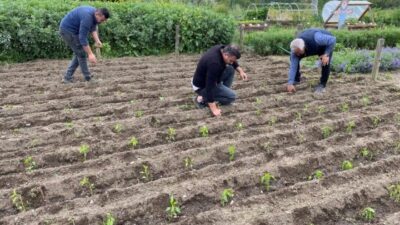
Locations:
(321, 39)
(80, 21)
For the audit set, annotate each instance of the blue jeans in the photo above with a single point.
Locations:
(79, 58)
(223, 92)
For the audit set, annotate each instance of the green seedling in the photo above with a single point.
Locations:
(171, 133)
(132, 102)
(350, 126)
(173, 210)
(29, 164)
(344, 107)
(84, 150)
(272, 121)
(204, 131)
(186, 107)
(298, 116)
(321, 110)
(85, 182)
(347, 165)
(118, 128)
(306, 107)
(239, 126)
(266, 180)
(69, 125)
(258, 112)
(258, 101)
(365, 153)
(17, 201)
(267, 147)
(376, 120)
(394, 192)
(226, 196)
(397, 147)
(365, 101)
(188, 163)
(145, 173)
(300, 138)
(368, 214)
(231, 152)
(133, 142)
(162, 98)
(318, 174)
(326, 131)
(109, 220)
(138, 114)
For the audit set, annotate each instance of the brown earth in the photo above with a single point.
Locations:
(281, 134)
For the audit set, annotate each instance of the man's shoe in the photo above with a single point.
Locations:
(319, 89)
(66, 81)
(199, 105)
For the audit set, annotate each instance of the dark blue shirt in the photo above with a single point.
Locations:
(80, 21)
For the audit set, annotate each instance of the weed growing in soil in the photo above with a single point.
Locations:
(258, 101)
(306, 107)
(17, 201)
(109, 220)
(239, 126)
(326, 131)
(188, 163)
(397, 147)
(29, 164)
(321, 110)
(365, 101)
(139, 114)
(226, 196)
(394, 192)
(145, 173)
(186, 107)
(347, 165)
(318, 174)
(272, 121)
(118, 128)
(267, 147)
(350, 126)
(344, 107)
(85, 183)
(266, 180)
(368, 214)
(69, 125)
(84, 150)
(133, 142)
(231, 152)
(366, 154)
(173, 210)
(376, 120)
(171, 133)
(203, 131)
(258, 112)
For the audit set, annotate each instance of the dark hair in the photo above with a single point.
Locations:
(232, 50)
(104, 12)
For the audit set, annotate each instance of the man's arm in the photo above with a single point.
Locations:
(325, 40)
(241, 72)
(84, 29)
(294, 63)
(96, 39)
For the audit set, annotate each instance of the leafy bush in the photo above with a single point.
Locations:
(29, 28)
(384, 17)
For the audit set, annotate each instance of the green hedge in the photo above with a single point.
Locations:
(29, 28)
(272, 41)
(384, 17)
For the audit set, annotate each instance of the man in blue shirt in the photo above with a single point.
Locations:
(74, 29)
(311, 42)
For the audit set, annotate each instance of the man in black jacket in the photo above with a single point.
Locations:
(214, 76)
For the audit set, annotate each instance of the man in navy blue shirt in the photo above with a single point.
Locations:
(214, 75)
(74, 30)
(311, 42)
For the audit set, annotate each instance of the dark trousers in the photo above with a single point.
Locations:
(326, 70)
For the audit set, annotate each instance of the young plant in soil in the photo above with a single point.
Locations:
(347, 165)
(298, 116)
(344, 107)
(267, 147)
(203, 131)
(133, 142)
(69, 125)
(138, 114)
(306, 107)
(118, 128)
(321, 110)
(350, 126)
(318, 174)
(300, 138)
(231, 152)
(368, 214)
(85, 183)
(394, 192)
(109, 220)
(84, 150)
(376, 121)
(171, 133)
(173, 210)
(226, 196)
(258, 101)
(145, 173)
(365, 101)
(326, 131)
(29, 164)
(397, 147)
(239, 126)
(266, 180)
(188, 162)
(17, 201)
(366, 154)
(272, 121)
(258, 111)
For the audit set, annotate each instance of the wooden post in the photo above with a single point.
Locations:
(177, 38)
(378, 57)
(241, 30)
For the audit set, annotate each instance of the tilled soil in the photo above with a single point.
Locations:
(271, 130)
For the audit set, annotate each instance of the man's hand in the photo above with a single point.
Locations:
(324, 60)
(98, 44)
(243, 75)
(214, 109)
(92, 58)
(290, 88)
